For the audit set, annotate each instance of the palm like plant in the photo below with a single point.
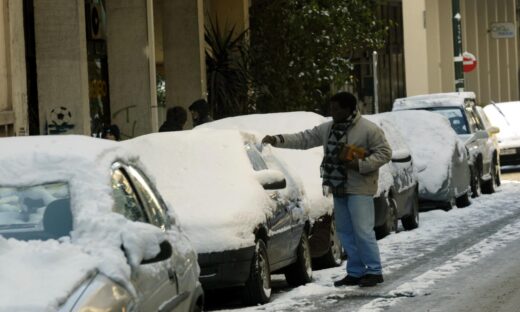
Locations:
(226, 64)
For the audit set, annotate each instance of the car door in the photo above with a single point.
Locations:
(154, 282)
(279, 224)
(481, 143)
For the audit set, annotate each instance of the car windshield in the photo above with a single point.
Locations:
(455, 116)
(35, 212)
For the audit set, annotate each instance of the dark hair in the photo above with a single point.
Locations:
(200, 106)
(345, 100)
(177, 115)
(112, 129)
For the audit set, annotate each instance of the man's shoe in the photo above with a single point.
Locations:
(347, 281)
(369, 280)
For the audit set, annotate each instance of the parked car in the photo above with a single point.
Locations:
(83, 229)
(440, 158)
(492, 141)
(242, 210)
(396, 198)
(506, 116)
(460, 109)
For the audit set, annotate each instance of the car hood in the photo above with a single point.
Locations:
(40, 275)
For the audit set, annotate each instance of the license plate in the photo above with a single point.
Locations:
(509, 151)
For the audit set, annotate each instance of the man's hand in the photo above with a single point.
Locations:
(269, 139)
(353, 165)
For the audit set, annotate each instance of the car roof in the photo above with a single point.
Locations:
(433, 100)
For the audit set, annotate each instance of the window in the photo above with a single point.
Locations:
(255, 158)
(125, 199)
(156, 213)
(456, 117)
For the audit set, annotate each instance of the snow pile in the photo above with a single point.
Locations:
(208, 179)
(432, 100)
(505, 116)
(98, 234)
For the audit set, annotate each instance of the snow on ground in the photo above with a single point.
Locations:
(436, 228)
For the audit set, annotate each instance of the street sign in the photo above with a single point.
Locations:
(469, 61)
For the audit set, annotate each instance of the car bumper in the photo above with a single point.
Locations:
(510, 156)
(225, 269)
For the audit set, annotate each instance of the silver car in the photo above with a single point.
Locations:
(84, 230)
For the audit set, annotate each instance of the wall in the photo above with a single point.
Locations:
(61, 60)
(415, 47)
(496, 76)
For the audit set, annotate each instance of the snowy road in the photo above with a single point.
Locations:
(444, 262)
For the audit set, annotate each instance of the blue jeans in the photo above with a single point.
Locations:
(354, 217)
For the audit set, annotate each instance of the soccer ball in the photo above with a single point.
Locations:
(60, 116)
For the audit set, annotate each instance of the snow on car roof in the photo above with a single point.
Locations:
(206, 176)
(42, 274)
(432, 100)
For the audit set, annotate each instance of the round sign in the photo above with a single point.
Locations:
(469, 61)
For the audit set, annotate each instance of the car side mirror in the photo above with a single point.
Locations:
(271, 179)
(493, 130)
(481, 134)
(165, 253)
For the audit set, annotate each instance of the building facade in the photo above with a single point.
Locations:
(74, 66)
(489, 32)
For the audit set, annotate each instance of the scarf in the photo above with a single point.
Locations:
(334, 171)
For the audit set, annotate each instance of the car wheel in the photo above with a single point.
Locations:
(411, 221)
(462, 201)
(488, 187)
(300, 272)
(498, 179)
(258, 286)
(334, 256)
(475, 182)
(390, 224)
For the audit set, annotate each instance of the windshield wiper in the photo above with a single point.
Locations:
(501, 113)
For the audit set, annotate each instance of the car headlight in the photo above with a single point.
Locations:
(100, 294)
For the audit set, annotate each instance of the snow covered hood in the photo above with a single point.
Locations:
(432, 100)
(506, 116)
(39, 275)
(208, 179)
(432, 143)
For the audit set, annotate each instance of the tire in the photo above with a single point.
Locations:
(475, 182)
(391, 220)
(334, 256)
(462, 201)
(489, 186)
(411, 221)
(257, 289)
(300, 272)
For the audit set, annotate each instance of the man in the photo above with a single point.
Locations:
(200, 112)
(176, 118)
(354, 149)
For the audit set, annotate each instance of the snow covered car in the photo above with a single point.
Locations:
(242, 211)
(82, 229)
(460, 109)
(397, 193)
(440, 158)
(506, 116)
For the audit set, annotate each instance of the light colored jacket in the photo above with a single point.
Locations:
(362, 133)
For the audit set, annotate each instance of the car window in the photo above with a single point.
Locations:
(474, 121)
(125, 199)
(455, 116)
(255, 158)
(29, 212)
(156, 213)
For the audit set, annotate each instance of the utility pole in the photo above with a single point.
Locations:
(376, 83)
(457, 47)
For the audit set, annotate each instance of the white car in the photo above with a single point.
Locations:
(82, 229)
(242, 210)
(396, 197)
(440, 158)
(506, 116)
(460, 109)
